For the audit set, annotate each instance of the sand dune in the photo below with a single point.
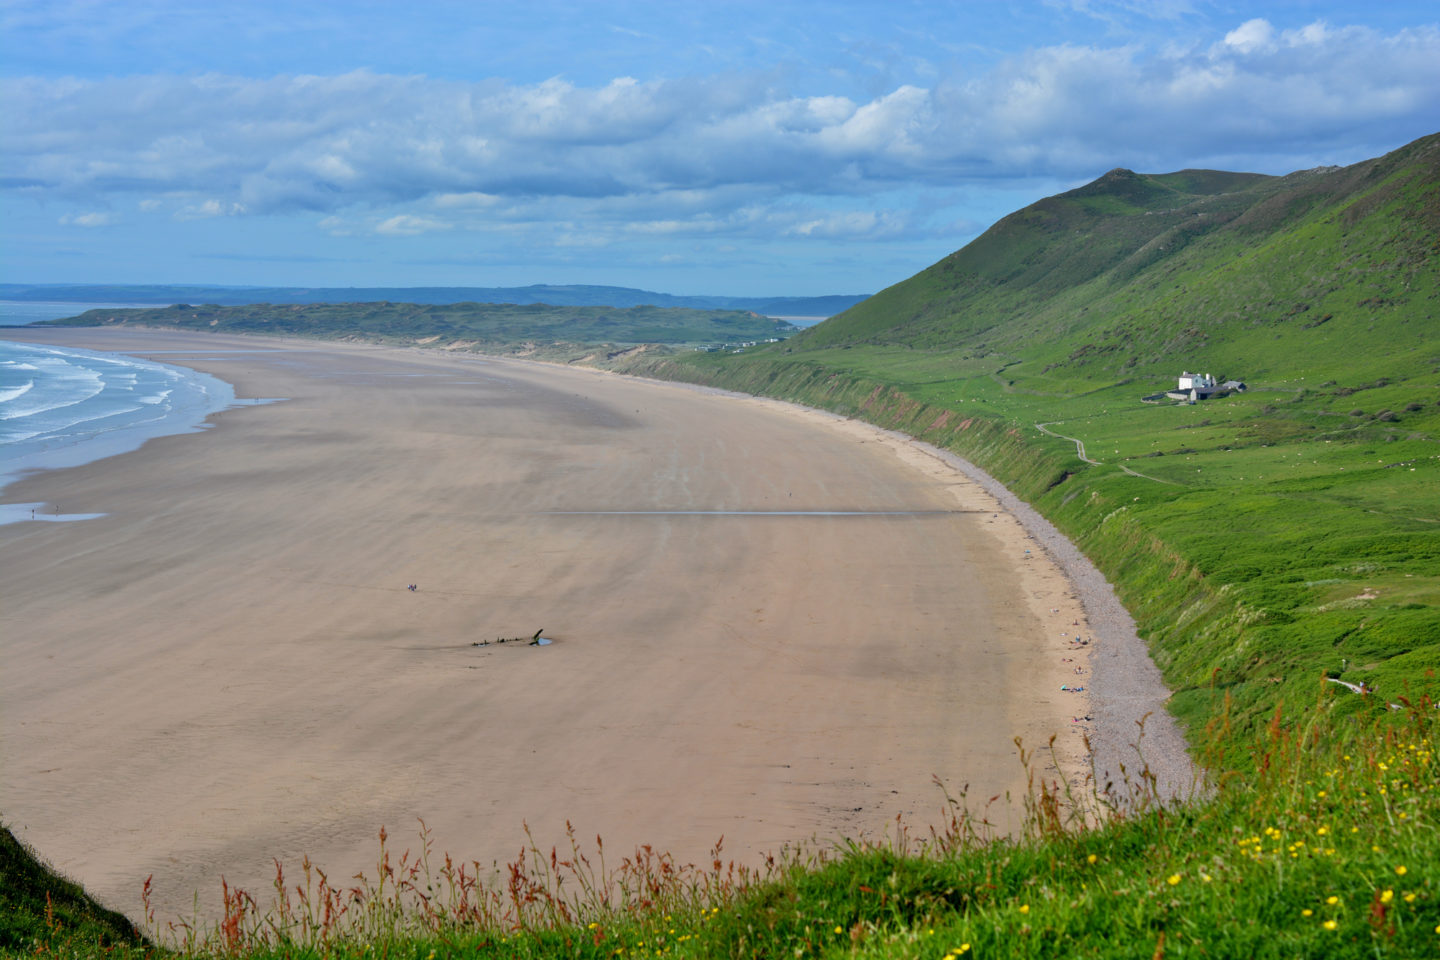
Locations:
(229, 666)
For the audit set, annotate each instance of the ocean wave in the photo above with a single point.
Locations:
(62, 406)
(11, 393)
(52, 395)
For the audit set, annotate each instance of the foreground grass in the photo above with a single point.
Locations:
(44, 914)
(1330, 849)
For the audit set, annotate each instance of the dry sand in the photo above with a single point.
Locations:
(228, 666)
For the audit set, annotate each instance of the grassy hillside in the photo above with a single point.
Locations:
(534, 328)
(44, 914)
(1261, 539)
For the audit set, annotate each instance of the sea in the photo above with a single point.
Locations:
(63, 407)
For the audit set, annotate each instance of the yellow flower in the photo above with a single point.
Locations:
(1409, 898)
(1332, 900)
(1387, 896)
(1024, 908)
(1173, 879)
(1400, 871)
(1307, 912)
(1206, 877)
(1322, 831)
(839, 929)
(1329, 924)
(1091, 859)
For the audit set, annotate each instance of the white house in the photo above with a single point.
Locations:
(1201, 383)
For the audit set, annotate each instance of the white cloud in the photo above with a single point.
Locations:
(406, 155)
(1252, 35)
(408, 225)
(855, 224)
(208, 209)
(88, 219)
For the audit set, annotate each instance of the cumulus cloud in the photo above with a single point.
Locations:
(702, 154)
(1250, 36)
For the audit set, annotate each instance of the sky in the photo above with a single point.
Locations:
(740, 148)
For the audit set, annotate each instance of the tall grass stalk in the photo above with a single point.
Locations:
(1328, 848)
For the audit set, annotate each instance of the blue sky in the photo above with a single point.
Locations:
(747, 148)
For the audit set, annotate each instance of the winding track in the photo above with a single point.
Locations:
(1080, 452)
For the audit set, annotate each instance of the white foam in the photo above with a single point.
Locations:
(10, 393)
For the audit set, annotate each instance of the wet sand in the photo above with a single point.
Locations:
(767, 625)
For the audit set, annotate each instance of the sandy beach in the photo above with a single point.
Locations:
(767, 624)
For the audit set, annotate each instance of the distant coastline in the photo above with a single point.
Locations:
(558, 295)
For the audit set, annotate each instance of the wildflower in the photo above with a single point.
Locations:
(839, 929)
(1091, 859)
(1307, 912)
(1409, 898)
(1332, 900)
(1173, 879)
(1206, 878)
(1330, 924)
(1387, 896)
(1322, 831)
(1024, 908)
(1400, 871)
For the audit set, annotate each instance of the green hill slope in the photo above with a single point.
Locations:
(1259, 539)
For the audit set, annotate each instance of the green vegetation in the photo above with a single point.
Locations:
(1328, 849)
(1261, 539)
(537, 329)
(43, 914)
